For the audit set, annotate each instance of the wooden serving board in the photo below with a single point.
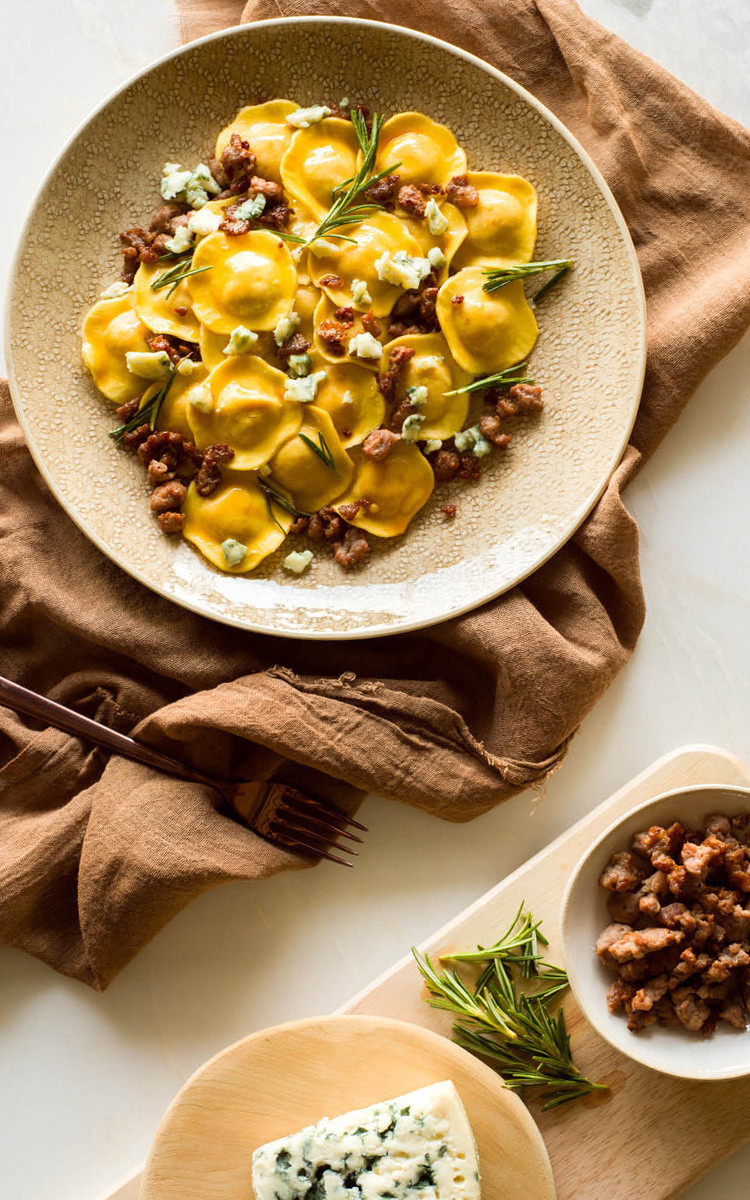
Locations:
(651, 1136)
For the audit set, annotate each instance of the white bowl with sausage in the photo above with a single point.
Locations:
(724, 1054)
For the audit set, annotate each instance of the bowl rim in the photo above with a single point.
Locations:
(372, 631)
(591, 1015)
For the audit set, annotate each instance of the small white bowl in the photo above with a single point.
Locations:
(724, 1055)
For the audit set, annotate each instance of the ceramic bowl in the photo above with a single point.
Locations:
(724, 1055)
(590, 356)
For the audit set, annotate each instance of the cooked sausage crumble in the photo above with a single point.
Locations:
(680, 939)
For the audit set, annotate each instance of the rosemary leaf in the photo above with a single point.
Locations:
(504, 378)
(322, 449)
(274, 497)
(514, 1027)
(550, 283)
(347, 208)
(500, 277)
(148, 412)
(173, 276)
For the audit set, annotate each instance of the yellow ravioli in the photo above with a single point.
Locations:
(317, 161)
(381, 233)
(397, 487)
(238, 511)
(265, 128)
(434, 368)
(351, 397)
(502, 227)
(161, 312)
(427, 152)
(251, 280)
(248, 411)
(111, 329)
(486, 331)
(302, 473)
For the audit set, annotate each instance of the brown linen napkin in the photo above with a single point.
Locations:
(96, 856)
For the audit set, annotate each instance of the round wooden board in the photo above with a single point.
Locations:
(284, 1078)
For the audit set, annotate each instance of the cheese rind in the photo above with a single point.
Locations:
(416, 1147)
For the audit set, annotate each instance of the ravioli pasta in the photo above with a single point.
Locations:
(302, 331)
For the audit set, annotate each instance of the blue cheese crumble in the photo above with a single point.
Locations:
(471, 439)
(234, 552)
(298, 561)
(149, 364)
(402, 269)
(250, 209)
(416, 1147)
(412, 427)
(241, 341)
(437, 221)
(305, 388)
(303, 118)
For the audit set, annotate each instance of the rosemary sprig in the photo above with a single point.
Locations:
(500, 277)
(501, 379)
(173, 276)
(274, 497)
(519, 945)
(147, 412)
(514, 1028)
(347, 209)
(322, 449)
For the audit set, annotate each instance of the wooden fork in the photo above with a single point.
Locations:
(278, 812)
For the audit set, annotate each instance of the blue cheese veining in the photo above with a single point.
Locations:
(416, 1147)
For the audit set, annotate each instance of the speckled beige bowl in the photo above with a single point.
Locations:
(590, 356)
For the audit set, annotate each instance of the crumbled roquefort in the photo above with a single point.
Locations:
(298, 365)
(149, 364)
(431, 445)
(173, 181)
(364, 345)
(411, 427)
(418, 395)
(181, 241)
(303, 118)
(250, 209)
(201, 398)
(472, 439)
(192, 186)
(115, 289)
(200, 186)
(415, 1147)
(305, 389)
(285, 328)
(298, 561)
(436, 258)
(204, 221)
(321, 248)
(436, 220)
(241, 341)
(234, 552)
(188, 367)
(347, 397)
(360, 294)
(402, 269)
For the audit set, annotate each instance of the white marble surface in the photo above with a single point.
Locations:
(84, 1078)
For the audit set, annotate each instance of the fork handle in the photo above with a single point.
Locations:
(30, 704)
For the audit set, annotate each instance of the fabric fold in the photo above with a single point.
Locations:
(95, 855)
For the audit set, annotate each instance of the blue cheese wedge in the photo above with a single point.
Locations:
(416, 1147)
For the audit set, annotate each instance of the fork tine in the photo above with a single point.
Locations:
(310, 838)
(317, 822)
(310, 846)
(299, 799)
